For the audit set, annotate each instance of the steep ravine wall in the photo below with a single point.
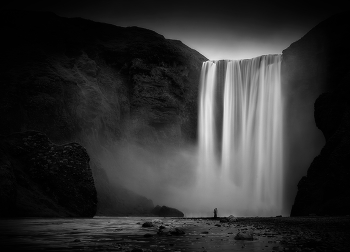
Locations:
(96, 84)
(316, 64)
(93, 83)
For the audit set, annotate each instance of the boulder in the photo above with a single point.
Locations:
(164, 232)
(157, 221)
(177, 231)
(42, 179)
(248, 235)
(165, 211)
(148, 224)
(229, 219)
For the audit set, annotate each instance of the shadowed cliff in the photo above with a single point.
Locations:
(94, 83)
(99, 84)
(315, 64)
(41, 179)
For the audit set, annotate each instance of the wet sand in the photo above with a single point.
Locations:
(201, 234)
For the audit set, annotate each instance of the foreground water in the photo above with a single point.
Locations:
(127, 234)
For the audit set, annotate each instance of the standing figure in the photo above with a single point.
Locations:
(215, 213)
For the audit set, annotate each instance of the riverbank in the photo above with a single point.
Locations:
(199, 234)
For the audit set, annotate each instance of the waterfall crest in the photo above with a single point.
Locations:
(240, 136)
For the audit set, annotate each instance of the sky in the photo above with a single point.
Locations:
(219, 29)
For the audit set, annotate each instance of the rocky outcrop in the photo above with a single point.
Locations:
(165, 211)
(39, 178)
(326, 188)
(321, 65)
(71, 78)
(312, 65)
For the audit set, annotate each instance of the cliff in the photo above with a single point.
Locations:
(63, 76)
(316, 68)
(94, 83)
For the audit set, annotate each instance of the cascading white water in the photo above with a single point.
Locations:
(240, 136)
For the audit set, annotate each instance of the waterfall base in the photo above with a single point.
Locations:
(240, 137)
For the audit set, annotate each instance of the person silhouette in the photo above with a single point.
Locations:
(215, 213)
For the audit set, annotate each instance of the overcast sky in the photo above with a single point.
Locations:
(217, 29)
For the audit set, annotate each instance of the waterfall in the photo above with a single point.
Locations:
(240, 136)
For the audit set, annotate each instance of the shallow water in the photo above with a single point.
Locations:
(126, 234)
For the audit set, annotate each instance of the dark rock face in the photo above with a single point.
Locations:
(71, 78)
(165, 211)
(323, 54)
(39, 178)
(326, 188)
(67, 76)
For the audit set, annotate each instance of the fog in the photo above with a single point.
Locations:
(174, 176)
(160, 174)
(167, 169)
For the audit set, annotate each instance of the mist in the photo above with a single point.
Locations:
(159, 173)
(155, 160)
(163, 166)
(173, 176)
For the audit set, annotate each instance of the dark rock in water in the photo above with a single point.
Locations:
(148, 235)
(148, 224)
(165, 231)
(248, 235)
(157, 221)
(165, 211)
(229, 219)
(39, 178)
(177, 231)
(326, 188)
(153, 223)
